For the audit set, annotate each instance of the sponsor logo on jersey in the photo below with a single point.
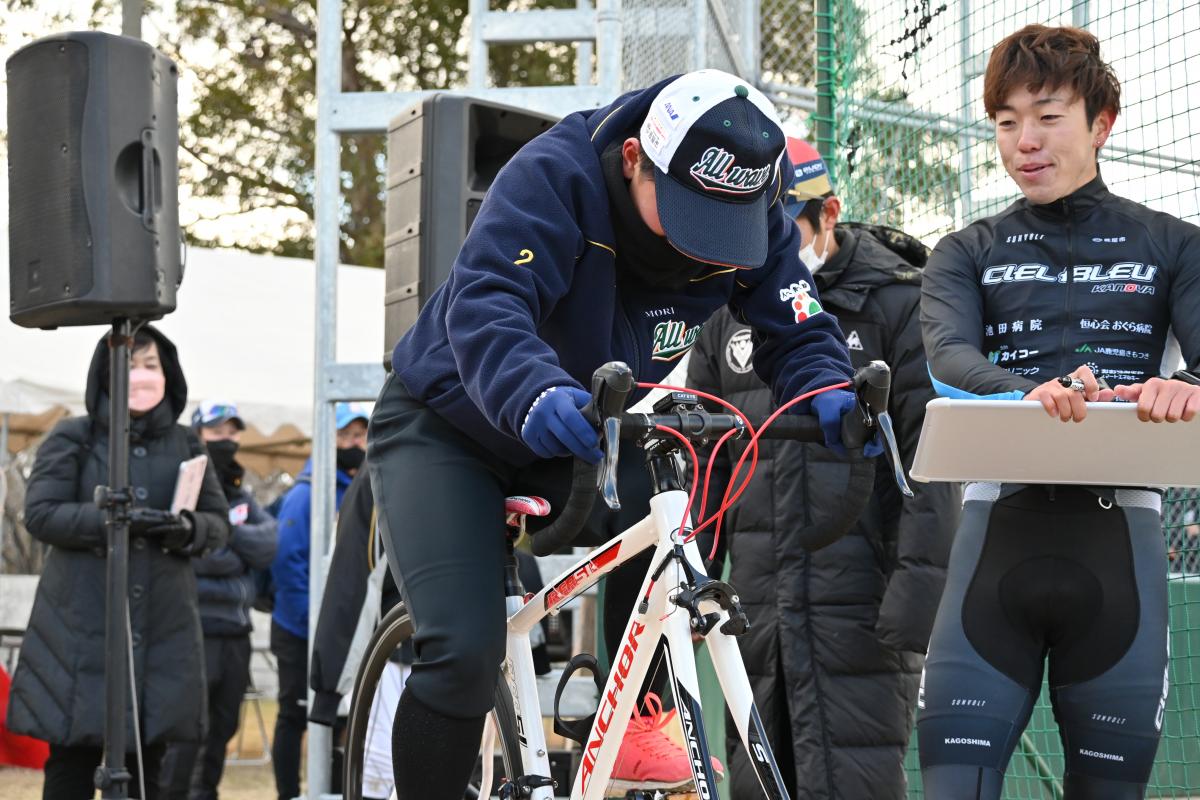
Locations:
(1123, 288)
(672, 339)
(1083, 273)
(854, 341)
(1122, 325)
(1110, 718)
(1025, 237)
(739, 351)
(1004, 355)
(803, 304)
(1108, 239)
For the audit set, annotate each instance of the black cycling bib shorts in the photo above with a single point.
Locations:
(1073, 575)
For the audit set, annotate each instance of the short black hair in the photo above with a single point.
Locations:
(645, 165)
(811, 210)
(141, 340)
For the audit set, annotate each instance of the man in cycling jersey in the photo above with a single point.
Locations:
(1068, 287)
(614, 235)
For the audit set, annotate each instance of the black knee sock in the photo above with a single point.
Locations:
(432, 755)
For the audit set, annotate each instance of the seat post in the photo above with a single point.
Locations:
(512, 578)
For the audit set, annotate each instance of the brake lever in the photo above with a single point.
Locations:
(608, 472)
(884, 424)
(872, 385)
(612, 383)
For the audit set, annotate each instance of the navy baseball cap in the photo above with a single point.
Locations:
(211, 413)
(717, 148)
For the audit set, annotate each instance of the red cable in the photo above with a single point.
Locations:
(752, 446)
(727, 501)
(708, 470)
(687, 512)
(704, 498)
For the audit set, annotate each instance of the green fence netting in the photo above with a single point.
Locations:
(898, 112)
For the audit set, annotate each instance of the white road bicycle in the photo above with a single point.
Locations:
(677, 600)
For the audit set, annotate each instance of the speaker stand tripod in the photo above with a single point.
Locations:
(112, 777)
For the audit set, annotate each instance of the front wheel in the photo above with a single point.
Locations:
(393, 630)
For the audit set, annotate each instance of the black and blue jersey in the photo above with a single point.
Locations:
(1032, 293)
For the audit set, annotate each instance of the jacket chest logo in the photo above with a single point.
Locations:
(672, 339)
(739, 351)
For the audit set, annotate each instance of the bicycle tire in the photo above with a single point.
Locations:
(393, 630)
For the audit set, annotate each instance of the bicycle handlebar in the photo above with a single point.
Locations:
(613, 383)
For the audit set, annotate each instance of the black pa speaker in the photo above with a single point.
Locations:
(443, 154)
(92, 180)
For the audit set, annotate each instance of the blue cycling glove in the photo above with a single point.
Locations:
(555, 427)
(830, 407)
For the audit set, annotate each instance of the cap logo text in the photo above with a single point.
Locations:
(715, 172)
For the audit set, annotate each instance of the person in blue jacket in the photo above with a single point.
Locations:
(289, 573)
(612, 236)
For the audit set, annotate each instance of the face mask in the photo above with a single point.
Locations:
(222, 452)
(349, 459)
(808, 255)
(146, 389)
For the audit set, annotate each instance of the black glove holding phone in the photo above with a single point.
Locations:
(173, 531)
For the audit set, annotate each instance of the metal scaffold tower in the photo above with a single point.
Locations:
(341, 113)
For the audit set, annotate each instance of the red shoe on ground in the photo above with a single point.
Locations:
(649, 758)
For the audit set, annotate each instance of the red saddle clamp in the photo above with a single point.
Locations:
(518, 507)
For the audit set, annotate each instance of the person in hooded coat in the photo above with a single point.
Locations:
(838, 625)
(58, 688)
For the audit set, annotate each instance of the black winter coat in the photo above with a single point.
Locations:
(58, 688)
(833, 651)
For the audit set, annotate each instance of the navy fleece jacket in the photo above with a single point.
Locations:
(535, 298)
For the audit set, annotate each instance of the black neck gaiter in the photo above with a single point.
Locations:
(641, 252)
(222, 453)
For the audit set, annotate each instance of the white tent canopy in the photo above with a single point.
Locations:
(244, 330)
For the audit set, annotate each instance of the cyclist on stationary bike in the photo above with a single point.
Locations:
(614, 235)
(1069, 287)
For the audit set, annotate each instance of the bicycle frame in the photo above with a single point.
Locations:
(656, 618)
